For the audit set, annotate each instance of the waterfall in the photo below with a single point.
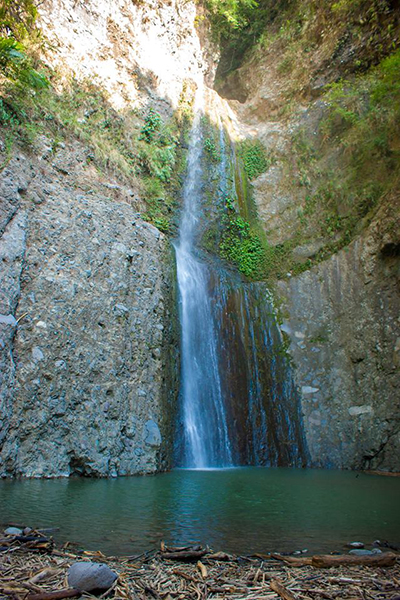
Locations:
(238, 402)
(205, 429)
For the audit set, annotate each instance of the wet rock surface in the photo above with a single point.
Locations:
(343, 324)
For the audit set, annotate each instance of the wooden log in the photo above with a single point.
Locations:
(44, 574)
(386, 559)
(203, 569)
(40, 539)
(293, 561)
(219, 556)
(56, 595)
(277, 586)
(184, 556)
(165, 548)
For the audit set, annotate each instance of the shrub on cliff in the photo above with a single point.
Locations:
(16, 25)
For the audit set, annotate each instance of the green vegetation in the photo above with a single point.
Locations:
(159, 161)
(232, 228)
(248, 31)
(142, 149)
(211, 149)
(236, 25)
(17, 36)
(231, 16)
(341, 197)
(255, 160)
(152, 124)
(242, 246)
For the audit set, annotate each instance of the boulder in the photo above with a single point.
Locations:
(13, 531)
(86, 576)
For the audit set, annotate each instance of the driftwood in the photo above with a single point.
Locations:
(34, 541)
(386, 559)
(152, 576)
(203, 569)
(293, 561)
(184, 555)
(56, 595)
(219, 556)
(277, 586)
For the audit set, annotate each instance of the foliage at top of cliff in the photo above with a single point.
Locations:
(140, 147)
(306, 37)
(17, 63)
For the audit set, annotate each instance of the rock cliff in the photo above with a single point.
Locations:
(89, 349)
(88, 315)
(89, 345)
(329, 204)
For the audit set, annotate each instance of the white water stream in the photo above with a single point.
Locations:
(206, 439)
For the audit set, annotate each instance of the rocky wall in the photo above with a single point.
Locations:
(343, 322)
(127, 46)
(87, 323)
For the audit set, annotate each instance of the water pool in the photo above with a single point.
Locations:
(241, 510)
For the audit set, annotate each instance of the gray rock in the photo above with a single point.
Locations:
(356, 545)
(87, 576)
(348, 300)
(152, 434)
(363, 552)
(78, 338)
(13, 531)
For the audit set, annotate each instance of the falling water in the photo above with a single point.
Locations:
(205, 429)
(239, 404)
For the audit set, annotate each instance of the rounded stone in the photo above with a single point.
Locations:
(86, 576)
(13, 531)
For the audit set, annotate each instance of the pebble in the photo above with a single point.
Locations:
(86, 576)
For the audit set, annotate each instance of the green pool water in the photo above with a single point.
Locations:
(242, 510)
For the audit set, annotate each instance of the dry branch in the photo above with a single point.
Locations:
(56, 595)
(184, 556)
(277, 586)
(27, 575)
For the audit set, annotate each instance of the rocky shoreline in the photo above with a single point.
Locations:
(32, 567)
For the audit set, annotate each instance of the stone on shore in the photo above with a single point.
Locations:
(13, 531)
(360, 552)
(86, 576)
